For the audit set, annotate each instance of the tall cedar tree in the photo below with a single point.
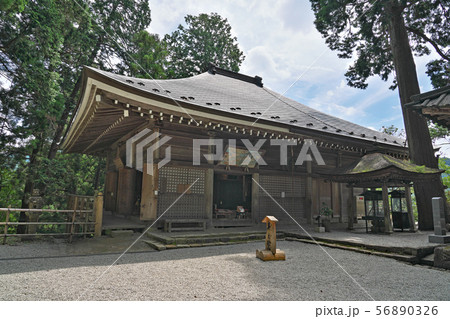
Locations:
(146, 57)
(381, 36)
(206, 39)
(43, 47)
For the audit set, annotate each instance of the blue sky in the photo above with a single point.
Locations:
(282, 46)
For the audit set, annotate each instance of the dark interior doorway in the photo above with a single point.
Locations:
(232, 196)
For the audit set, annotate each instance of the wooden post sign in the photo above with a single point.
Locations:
(271, 252)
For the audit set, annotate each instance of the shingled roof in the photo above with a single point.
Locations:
(374, 169)
(112, 106)
(236, 93)
(433, 104)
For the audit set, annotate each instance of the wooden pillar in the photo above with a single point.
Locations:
(340, 191)
(387, 210)
(255, 197)
(211, 135)
(98, 211)
(309, 194)
(335, 200)
(149, 200)
(111, 179)
(209, 195)
(126, 187)
(351, 209)
(409, 208)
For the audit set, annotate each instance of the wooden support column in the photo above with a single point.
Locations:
(255, 197)
(351, 209)
(98, 212)
(211, 150)
(340, 191)
(387, 210)
(409, 208)
(209, 195)
(150, 191)
(149, 200)
(125, 200)
(335, 200)
(309, 194)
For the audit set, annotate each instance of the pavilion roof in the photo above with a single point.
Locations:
(434, 105)
(376, 168)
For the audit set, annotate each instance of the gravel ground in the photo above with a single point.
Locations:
(222, 273)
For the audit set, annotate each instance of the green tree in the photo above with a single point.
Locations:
(146, 57)
(12, 5)
(381, 36)
(205, 39)
(444, 165)
(43, 48)
(439, 73)
(103, 34)
(392, 130)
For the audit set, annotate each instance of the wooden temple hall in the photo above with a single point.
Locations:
(125, 119)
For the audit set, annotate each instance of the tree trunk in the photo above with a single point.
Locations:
(419, 140)
(29, 185)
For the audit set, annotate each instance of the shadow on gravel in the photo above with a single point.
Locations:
(14, 264)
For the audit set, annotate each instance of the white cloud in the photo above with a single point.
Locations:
(282, 46)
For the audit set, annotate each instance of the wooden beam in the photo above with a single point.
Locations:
(434, 111)
(125, 137)
(120, 119)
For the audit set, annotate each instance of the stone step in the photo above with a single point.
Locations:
(417, 252)
(203, 240)
(442, 257)
(208, 238)
(400, 257)
(427, 260)
(155, 245)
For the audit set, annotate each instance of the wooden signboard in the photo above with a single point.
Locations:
(271, 252)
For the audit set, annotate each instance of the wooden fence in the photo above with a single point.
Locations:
(84, 217)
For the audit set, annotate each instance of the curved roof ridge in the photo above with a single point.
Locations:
(238, 94)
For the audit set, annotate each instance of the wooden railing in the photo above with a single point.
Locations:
(83, 218)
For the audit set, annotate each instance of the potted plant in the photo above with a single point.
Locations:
(325, 215)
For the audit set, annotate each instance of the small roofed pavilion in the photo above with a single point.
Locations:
(435, 105)
(380, 170)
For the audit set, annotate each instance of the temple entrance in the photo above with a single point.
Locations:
(232, 198)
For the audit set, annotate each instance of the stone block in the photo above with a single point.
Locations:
(442, 257)
(439, 239)
(320, 229)
(155, 245)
